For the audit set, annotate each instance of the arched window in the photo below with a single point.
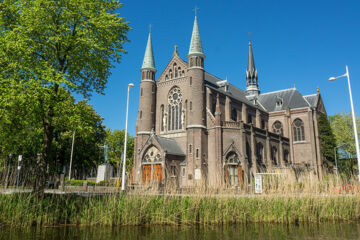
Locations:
(233, 114)
(171, 74)
(233, 170)
(286, 157)
(140, 114)
(163, 120)
(180, 73)
(248, 153)
(175, 113)
(175, 70)
(298, 130)
(277, 128)
(260, 153)
(274, 155)
(166, 77)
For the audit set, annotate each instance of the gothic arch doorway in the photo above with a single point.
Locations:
(152, 167)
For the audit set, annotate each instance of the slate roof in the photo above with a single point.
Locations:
(290, 98)
(312, 99)
(170, 146)
(232, 91)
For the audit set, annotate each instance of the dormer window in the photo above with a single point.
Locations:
(279, 102)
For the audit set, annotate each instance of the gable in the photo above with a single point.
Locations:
(176, 68)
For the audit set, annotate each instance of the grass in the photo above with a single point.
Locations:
(54, 210)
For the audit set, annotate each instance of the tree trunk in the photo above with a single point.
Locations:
(44, 159)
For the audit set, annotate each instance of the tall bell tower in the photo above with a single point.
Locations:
(197, 147)
(146, 115)
(147, 100)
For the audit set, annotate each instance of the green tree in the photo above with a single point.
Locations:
(327, 141)
(116, 139)
(342, 126)
(48, 44)
(21, 134)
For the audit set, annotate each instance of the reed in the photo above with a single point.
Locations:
(115, 210)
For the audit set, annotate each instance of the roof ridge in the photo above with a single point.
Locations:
(307, 101)
(283, 90)
(314, 94)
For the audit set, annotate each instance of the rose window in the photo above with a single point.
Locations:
(175, 96)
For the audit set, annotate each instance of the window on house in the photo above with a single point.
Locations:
(213, 104)
(298, 130)
(277, 128)
(162, 120)
(249, 118)
(274, 155)
(233, 114)
(173, 170)
(262, 124)
(232, 170)
(175, 109)
(197, 153)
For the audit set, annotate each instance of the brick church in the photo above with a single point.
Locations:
(195, 129)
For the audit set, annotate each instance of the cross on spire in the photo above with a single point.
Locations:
(195, 10)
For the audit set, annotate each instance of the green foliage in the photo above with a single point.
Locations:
(342, 126)
(25, 210)
(79, 183)
(327, 141)
(48, 49)
(116, 141)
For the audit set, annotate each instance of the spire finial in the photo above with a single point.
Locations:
(175, 50)
(317, 90)
(150, 28)
(195, 10)
(250, 37)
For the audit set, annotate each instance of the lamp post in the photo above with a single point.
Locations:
(71, 155)
(353, 116)
(336, 166)
(130, 85)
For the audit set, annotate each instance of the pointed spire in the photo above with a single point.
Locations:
(251, 64)
(252, 88)
(149, 62)
(195, 43)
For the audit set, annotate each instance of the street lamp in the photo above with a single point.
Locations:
(130, 85)
(353, 116)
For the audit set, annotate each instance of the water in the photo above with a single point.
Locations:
(250, 231)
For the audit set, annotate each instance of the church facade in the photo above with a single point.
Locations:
(195, 129)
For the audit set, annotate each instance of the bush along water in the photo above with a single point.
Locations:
(51, 210)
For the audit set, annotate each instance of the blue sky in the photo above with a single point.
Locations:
(294, 42)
